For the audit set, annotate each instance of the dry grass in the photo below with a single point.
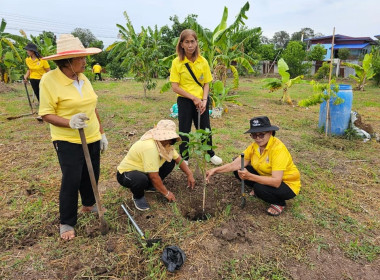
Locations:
(330, 231)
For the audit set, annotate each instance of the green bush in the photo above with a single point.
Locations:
(294, 55)
(344, 54)
(116, 70)
(323, 71)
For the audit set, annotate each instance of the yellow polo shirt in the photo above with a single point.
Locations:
(97, 68)
(275, 157)
(179, 74)
(59, 96)
(37, 67)
(144, 157)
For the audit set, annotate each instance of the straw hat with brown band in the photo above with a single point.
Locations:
(69, 46)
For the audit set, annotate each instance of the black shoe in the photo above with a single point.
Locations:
(141, 203)
(150, 189)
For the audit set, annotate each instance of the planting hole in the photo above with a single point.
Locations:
(197, 216)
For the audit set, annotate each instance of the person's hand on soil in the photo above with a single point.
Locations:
(209, 173)
(78, 121)
(170, 196)
(190, 182)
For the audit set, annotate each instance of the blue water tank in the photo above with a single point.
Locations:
(339, 114)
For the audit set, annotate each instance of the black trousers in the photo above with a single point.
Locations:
(35, 83)
(138, 181)
(267, 193)
(188, 114)
(98, 75)
(75, 178)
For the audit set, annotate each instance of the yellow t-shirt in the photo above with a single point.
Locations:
(179, 74)
(37, 67)
(59, 96)
(97, 68)
(143, 156)
(275, 157)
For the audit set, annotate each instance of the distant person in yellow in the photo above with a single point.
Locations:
(36, 68)
(97, 70)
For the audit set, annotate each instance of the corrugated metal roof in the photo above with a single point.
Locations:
(351, 46)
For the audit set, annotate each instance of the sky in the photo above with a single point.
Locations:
(349, 17)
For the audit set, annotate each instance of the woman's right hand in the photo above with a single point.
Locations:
(197, 103)
(25, 80)
(170, 196)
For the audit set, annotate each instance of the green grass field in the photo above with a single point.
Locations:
(330, 231)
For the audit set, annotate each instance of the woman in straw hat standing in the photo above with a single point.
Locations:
(149, 161)
(68, 102)
(270, 170)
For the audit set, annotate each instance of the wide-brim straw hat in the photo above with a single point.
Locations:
(164, 130)
(69, 46)
(261, 124)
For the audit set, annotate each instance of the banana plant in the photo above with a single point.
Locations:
(363, 73)
(220, 95)
(218, 47)
(8, 44)
(285, 83)
(139, 52)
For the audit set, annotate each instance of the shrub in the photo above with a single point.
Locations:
(323, 71)
(344, 54)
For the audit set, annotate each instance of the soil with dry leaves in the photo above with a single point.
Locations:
(330, 231)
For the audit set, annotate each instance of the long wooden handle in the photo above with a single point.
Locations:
(27, 94)
(91, 174)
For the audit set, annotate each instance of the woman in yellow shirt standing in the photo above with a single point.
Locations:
(36, 68)
(269, 167)
(190, 76)
(69, 103)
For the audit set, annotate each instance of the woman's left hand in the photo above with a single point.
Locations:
(103, 143)
(203, 106)
(244, 174)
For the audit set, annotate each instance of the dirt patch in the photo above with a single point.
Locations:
(5, 88)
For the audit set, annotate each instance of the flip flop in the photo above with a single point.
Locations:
(65, 228)
(93, 209)
(277, 208)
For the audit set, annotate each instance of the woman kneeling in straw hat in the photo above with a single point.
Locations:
(270, 170)
(67, 103)
(149, 161)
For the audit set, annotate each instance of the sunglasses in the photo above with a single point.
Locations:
(257, 135)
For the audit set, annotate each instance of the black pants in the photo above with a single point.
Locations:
(35, 83)
(188, 114)
(138, 181)
(267, 193)
(75, 178)
(99, 76)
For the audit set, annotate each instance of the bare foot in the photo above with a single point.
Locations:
(67, 232)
